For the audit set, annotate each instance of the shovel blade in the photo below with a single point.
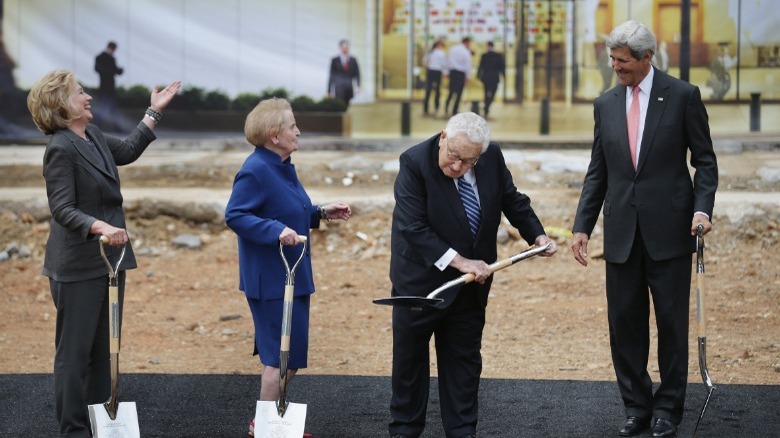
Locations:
(124, 426)
(268, 423)
(408, 301)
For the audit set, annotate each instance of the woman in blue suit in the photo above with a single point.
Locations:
(268, 205)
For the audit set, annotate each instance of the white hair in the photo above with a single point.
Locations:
(634, 35)
(474, 127)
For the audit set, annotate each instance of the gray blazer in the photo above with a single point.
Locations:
(82, 188)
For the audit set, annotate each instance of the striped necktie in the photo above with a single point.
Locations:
(470, 204)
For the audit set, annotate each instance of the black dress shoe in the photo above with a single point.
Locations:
(664, 428)
(399, 435)
(633, 426)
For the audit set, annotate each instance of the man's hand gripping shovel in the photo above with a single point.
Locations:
(701, 323)
(433, 298)
(113, 419)
(282, 419)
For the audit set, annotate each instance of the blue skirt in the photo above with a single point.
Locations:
(267, 316)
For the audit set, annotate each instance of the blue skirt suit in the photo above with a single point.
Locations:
(267, 197)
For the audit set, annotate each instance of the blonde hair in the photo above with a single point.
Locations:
(265, 120)
(49, 101)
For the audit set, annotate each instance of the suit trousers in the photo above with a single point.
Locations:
(458, 339)
(432, 84)
(628, 304)
(457, 82)
(82, 374)
(490, 94)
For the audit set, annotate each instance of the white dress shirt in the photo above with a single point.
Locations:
(459, 59)
(436, 60)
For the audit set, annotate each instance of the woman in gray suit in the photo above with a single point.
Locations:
(82, 185)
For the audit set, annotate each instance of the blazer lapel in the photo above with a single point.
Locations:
(655, 109)
(619, 97)
(84, 149)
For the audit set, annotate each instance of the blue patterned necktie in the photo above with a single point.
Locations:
(470, 203)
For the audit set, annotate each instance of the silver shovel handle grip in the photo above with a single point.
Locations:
(112, 270)
(291, 271)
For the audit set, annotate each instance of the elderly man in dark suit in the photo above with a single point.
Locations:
(491, 70)
(344, 78)
(450, 193)
(645, 128)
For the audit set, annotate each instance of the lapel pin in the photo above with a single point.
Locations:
(660, 99)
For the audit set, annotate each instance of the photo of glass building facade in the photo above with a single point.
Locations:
(556, 48)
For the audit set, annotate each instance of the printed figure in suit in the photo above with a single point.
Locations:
(82, 184)
(644, 129)
(491, 69)
(435, 63)
(107, 115)
(344, 78)
(459, 71)
(269, 206)
(437, 237)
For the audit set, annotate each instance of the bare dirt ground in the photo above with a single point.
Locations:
(546, 317)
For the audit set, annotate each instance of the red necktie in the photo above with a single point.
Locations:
(345, 65)
(633, 124)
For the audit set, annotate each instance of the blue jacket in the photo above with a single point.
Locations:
(267, 196)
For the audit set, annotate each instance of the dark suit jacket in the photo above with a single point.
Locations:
(491, 67)
(266, 197)
(340, 80)
(82, 190)
(659, 197)
(105, 66)
(429, 218)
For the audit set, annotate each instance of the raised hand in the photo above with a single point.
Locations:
(161, 99)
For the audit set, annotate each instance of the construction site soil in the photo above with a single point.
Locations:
(546, 317)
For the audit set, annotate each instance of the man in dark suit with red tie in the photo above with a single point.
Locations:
(450, 193)
(645, 129)
(344, 78)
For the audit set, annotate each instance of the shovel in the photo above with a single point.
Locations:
(282, 419)
(701, 323)
(113, 419)
(433, 298)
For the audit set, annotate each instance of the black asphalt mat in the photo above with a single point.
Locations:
(355, 406)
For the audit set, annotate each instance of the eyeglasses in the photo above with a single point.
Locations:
(468, 162)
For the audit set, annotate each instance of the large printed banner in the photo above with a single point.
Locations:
(232, 45)
(483, 21)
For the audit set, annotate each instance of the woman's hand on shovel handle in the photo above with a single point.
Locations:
(116, 236)
(290, 238)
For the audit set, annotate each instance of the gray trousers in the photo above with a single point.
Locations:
(82, 361)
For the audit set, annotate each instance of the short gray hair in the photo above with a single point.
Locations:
(634, 35)
(474, 127)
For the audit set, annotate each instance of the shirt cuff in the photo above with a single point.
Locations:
(445, 260)
(703, 214)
